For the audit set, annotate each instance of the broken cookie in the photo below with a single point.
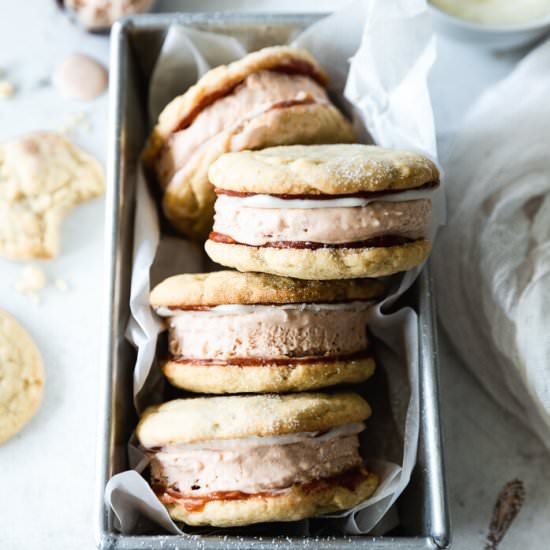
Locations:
(42, 176)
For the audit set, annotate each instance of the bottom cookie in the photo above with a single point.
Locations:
(299, 502)
(321, 263)
(297, 376)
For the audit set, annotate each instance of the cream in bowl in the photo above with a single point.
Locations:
(496, 12)
(497, 24)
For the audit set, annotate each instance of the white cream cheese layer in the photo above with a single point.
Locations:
(270, 201)
(251, 308)
(258, 441)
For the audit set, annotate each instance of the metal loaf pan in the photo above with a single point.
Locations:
(136, 42)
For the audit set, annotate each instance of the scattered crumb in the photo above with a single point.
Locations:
(32, 280)
(74, 122)
(61, 284)
(7, 89)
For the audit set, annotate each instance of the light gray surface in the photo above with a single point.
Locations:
(486, 448)
(47, 471)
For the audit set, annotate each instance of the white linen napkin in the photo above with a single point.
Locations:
(492, 261)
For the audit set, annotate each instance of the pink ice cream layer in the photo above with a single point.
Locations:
(257, 94)
(337, 225)
(269, 332)
(253, 469)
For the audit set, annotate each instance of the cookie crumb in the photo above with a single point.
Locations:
(33, 279)
(7, 89)
(62, 285)
(74, 122)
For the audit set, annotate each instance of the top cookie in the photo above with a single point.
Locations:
(322, 170)
(214, 418)
(181, 111)
(233, 287)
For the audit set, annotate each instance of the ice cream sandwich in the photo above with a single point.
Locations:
(322, 211)
(238, 460)
(232, 332)
(275, 96)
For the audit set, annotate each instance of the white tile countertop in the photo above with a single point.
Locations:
(47, 471)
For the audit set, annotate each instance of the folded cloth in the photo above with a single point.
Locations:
(492, 261)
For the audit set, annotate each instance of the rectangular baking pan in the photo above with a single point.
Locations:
(135, 44)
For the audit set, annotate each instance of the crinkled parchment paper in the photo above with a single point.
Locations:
(378, 54)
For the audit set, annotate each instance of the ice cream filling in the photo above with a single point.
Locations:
(257, 94)
(254, 468)
(262, 221)
(269, 332)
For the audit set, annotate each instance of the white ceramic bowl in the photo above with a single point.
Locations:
(493, 37)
